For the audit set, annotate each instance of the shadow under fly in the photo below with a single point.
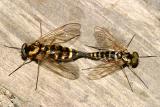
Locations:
(47, 51)
(114, 55)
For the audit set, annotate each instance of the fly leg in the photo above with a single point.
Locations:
(131, 40)
(127, 78)
(24, 63)
(37, 75)
(138, 77)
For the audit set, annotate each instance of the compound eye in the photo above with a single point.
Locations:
(24, 46)
(134, 63)
(24, 51)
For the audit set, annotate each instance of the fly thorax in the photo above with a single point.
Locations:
(34, 49)
(126, 57)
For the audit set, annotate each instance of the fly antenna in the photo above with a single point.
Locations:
(127, 79)
(131, 40)
(138, 77)
(37, 75)
(24, 63)
(147, 56)
(11, 47)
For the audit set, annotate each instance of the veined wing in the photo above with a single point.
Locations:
(66, 70)
(61, 34)
(104, 69)
(106, 40)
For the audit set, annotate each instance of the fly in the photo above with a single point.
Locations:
(48, 51)
(114, 54)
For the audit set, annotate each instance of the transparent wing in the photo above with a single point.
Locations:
(61, 34)
(103, 70)
(66, 70)
(106, 40)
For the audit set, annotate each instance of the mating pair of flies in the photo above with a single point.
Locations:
(48, 51)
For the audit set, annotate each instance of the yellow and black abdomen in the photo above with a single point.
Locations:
(59, 54)
(108, 55)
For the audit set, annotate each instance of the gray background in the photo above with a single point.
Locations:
(19, 23)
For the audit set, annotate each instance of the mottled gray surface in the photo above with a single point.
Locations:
(19, 24)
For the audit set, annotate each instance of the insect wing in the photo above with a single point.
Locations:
(103, 70)
(105, 39)
(66, 70)
(61, 34)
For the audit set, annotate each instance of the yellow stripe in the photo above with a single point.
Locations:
(70, 53)
(95, 55)
(92, 55)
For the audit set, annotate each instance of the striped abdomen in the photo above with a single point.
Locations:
(108, 55)
(63, 54)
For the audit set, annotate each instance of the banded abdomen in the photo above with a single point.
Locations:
(107, 55)
(58, 54)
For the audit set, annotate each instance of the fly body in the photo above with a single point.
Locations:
(114, 54)
(47, 51)
(127, 58)
(56, 53)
